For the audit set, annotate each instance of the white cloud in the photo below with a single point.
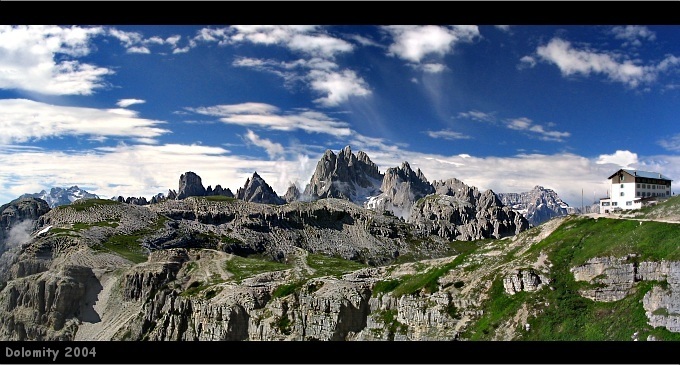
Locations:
(134, 42)
(273, 149)
(310, 40)
(269, 117)
(124, 103)
(619, 158)
(505, 28)
(447, 134)
(337, 86)
(414, 43)
(319, 45)
(128, 39)
(23, 120)
(633, 35)
(527, 125)
(478, 116)
(227, 110)
(573, 61)
(140, 50)
(40, 59)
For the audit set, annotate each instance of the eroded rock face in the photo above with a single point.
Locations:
(190, 185)
(256, 190)
(401, 188)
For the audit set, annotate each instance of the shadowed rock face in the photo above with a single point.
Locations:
(190, 185)
(256, 190)
(344, 176)
(18, 211)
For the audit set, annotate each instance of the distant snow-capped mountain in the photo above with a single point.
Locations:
(538, 205)
(62, 196)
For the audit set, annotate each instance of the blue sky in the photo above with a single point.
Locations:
(124, 110)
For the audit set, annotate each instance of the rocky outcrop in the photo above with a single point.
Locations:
(292, 194)
(190, 185)
(345, 176)
(538, 205)
(61, 196)
(524, 280)
(256, 190)
(615, 278)
(401, 187)
(457, 211)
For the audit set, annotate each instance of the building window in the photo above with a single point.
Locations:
(622, 185)
(614, 204)
(629, 203)
(622, 193)
(637, 186)
(638, 193)
(605, 204)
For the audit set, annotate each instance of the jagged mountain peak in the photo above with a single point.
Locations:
(345, 176)
(257, 190)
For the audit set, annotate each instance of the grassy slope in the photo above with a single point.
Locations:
(569, 316)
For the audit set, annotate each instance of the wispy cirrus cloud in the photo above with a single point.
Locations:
(574, 61)
(23, 120)
(323, 76)
(44, 59)
(527, 125)
(270, 117)
(318, 70)
(633, 35)
(274, 150)
(447, 134)
(478, 116)
(671, 143)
